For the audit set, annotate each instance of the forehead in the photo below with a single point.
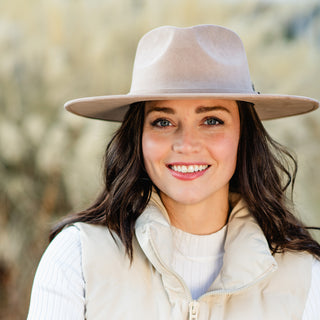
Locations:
(173, 106)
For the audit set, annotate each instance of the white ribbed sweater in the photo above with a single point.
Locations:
(198, 259)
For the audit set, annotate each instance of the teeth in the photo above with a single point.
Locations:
(189, 169)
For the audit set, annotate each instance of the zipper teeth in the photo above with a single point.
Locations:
(193, 310)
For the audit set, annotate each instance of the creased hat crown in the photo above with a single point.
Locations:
(206, 58)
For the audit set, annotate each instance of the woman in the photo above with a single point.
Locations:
(193, 221)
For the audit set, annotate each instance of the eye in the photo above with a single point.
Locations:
(161, 123)
(213, 121)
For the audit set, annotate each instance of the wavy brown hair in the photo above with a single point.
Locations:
(265, 171)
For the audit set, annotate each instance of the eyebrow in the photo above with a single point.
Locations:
(200, 109)
(160, 109)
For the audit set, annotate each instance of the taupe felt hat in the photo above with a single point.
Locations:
(205, 61)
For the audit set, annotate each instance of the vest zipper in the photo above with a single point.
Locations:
(193, 310)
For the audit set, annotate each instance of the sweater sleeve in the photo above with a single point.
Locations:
(58, 287)
(312, 309)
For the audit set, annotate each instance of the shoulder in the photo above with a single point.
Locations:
(294, 260)
(315, 283)
(62, 259)
(287, 280)
(316, 271)
(98, 237)
(58, 286)
(291, 263)
(64, 249)
(312, 309)
(104, 253)
(95, 231)
(100, 246)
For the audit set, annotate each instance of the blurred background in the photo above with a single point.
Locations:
(56, 50)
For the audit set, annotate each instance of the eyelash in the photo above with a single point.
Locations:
(156, 123)
(217, 121)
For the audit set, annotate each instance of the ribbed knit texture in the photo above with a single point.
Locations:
(58, 288)
(198, 258)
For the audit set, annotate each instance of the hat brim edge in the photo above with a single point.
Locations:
(268, 106)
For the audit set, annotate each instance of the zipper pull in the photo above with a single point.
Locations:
(193, 310)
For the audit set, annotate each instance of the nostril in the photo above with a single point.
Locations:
(186, 141)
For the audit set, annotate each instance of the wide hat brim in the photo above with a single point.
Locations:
(199, 62)
(268, 106)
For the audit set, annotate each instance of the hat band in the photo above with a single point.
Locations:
(186, 91)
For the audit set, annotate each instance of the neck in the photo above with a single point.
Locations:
(201, 218)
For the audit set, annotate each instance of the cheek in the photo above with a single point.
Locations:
(153, 148)
(232, 152)
(225, 149)
(148, 147)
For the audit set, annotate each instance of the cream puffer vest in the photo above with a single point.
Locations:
(252, 284)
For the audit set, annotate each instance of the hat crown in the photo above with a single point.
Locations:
(205, 58)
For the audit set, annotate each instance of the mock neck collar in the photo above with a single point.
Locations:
(199, 246)
(247, 257)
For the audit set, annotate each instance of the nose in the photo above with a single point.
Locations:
(186, 141)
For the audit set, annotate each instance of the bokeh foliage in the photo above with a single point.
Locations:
(55, 50)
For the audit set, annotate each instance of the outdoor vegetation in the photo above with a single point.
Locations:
(55, 50)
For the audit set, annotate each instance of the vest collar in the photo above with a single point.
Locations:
(247, 257)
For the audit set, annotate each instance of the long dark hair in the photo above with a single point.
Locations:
(265, 170)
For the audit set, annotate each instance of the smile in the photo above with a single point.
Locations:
(188, 168)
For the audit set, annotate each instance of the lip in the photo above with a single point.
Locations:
(187, 175)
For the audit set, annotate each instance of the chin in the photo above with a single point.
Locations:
(185, 198)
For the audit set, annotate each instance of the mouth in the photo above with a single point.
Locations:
(184, 171)
(183, 168)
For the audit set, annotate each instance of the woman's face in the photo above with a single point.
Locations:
(190, 147)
